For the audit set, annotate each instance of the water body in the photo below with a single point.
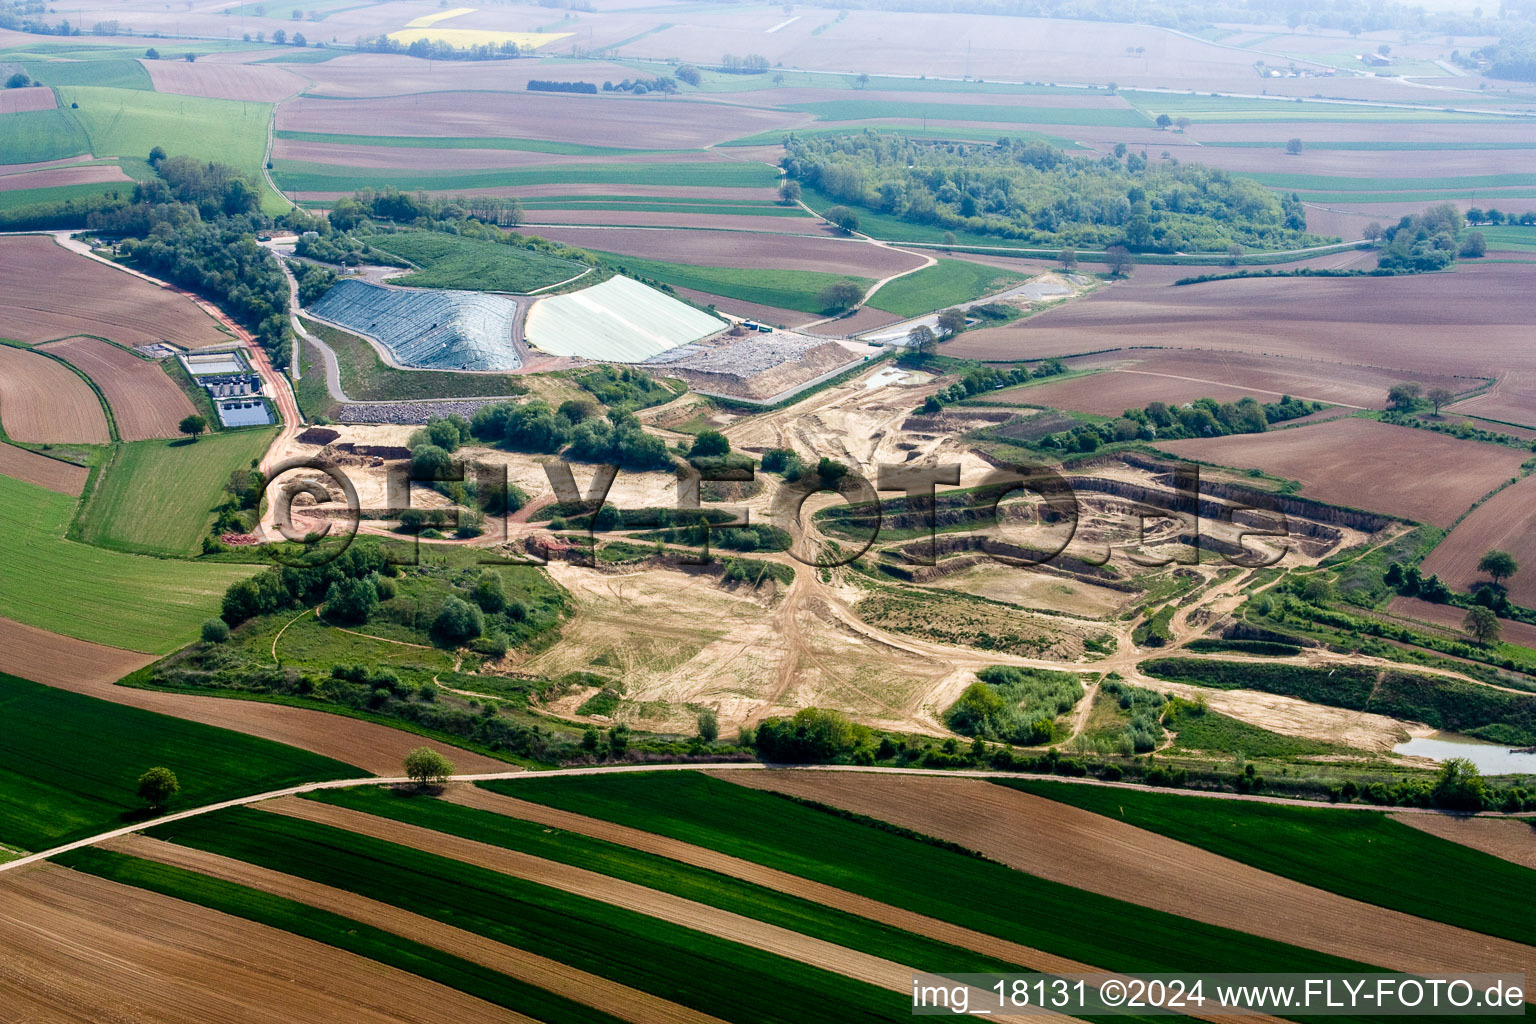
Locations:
(1490, 758)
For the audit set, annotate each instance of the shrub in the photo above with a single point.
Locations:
(351, 600)
(813, 734)
(709, 725)
(489, 593)
(215, 631)
(458, 622)
(425, 766)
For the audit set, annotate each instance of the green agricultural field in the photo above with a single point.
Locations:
(69, 764)
(33, 136)
(16, 199)
(774, 137)
(157, 497)
(715, 976)
(449, 261)
(719, 209)
(657, 872)
(333, 930)
(118, 73)
(128, 122)
(944, 284)
(1200, 108)
(130, 601)
(367, 378)
(297, 176)
(886, 110)
(786, 289)
(440, 142)
(1518, 238)
(895, 869)
(1323, 182)
(1362, 854)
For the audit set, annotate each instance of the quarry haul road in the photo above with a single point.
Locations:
(621, 769)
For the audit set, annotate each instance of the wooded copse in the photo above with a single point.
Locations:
(1034, 192)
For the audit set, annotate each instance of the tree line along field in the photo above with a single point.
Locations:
(108, 597)
(69, 763)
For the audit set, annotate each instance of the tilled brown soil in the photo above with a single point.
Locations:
(266, 83)
(1505, 838)
(45, 657)
(82, 949)
(747, 251)
(55, 176)
(42, 401)
(1505, 521)
(64, 477)
(1093, 852)
(550, 975)
(16, 101)
(84, 297)
(145, 401)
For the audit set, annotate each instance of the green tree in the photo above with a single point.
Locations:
(709, 725)
(1067, 258)
(18, 81)
(1164, 122)
(459, 621)
(922, 340)
(844, 219)
(489, 593)
(351, 600)
(1405, 397)
(215, 631)
(193, 425)
(951, 321)
(158, 786)
(1474, 245)
(789, 192)
(839, 296)
(1482, 624)
(1499, 565)
(1293, 146)
(709, 444)
(1439, 397)
(1460, 786)
(426, 767)
(1119, 259)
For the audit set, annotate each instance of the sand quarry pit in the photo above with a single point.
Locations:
(145, 401)
(85, 297)
(1089, 851)
(1358, 463)
(43, 402)
(80, 948)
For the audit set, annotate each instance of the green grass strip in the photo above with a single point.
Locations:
(439, 142)
(656, 872)
(786, 289)
(333, 930)
(1364, 855)
(309, 177)
(945, 283)
(980, 894)
(712, 975)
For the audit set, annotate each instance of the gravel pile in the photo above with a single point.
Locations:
(412, 412)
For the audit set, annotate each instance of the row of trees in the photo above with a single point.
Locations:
(1034, 192)
(1204, 417)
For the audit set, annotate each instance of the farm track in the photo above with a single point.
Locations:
(1092, 852)
(83, 950)
(550, 975)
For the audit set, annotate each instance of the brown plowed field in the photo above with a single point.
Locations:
(1511, 399)
(1409, 325)
(1097, 853)
(550, 975)
(1506, 521)
(575, 189)
(1135, 377)
(85, 297)
(379, 74)
(775, 251)
(54, 474)
(425, 158)
(754, 310)
(75, 175)
(82, 949)
(1502, 837)
(264, 83)
(596, 120)
(1398, 471)
(44, 402)
(145, 401)
(736, 224)
(62, 661)
(18, 101)
(1450, 617)
(43, 165)
(701, 917)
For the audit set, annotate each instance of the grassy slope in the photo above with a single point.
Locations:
(367, 378)
(786, 289)
(69, 763)
(15, 199)
(334, 930)
(118, 73)
(659, 873)
(713, 975)
(36, 135)
(448, 261)
(978, 894)
(944, 284)
(157, 496)
(1362, 855)
(294, 176)
(129, 601)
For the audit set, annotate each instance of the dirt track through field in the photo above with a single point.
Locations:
(1507, 839)
(550, 975)
(781, 881)
(42, 401)
(82, 949)
(1096, 853)
(145, 401)
(629, 895)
